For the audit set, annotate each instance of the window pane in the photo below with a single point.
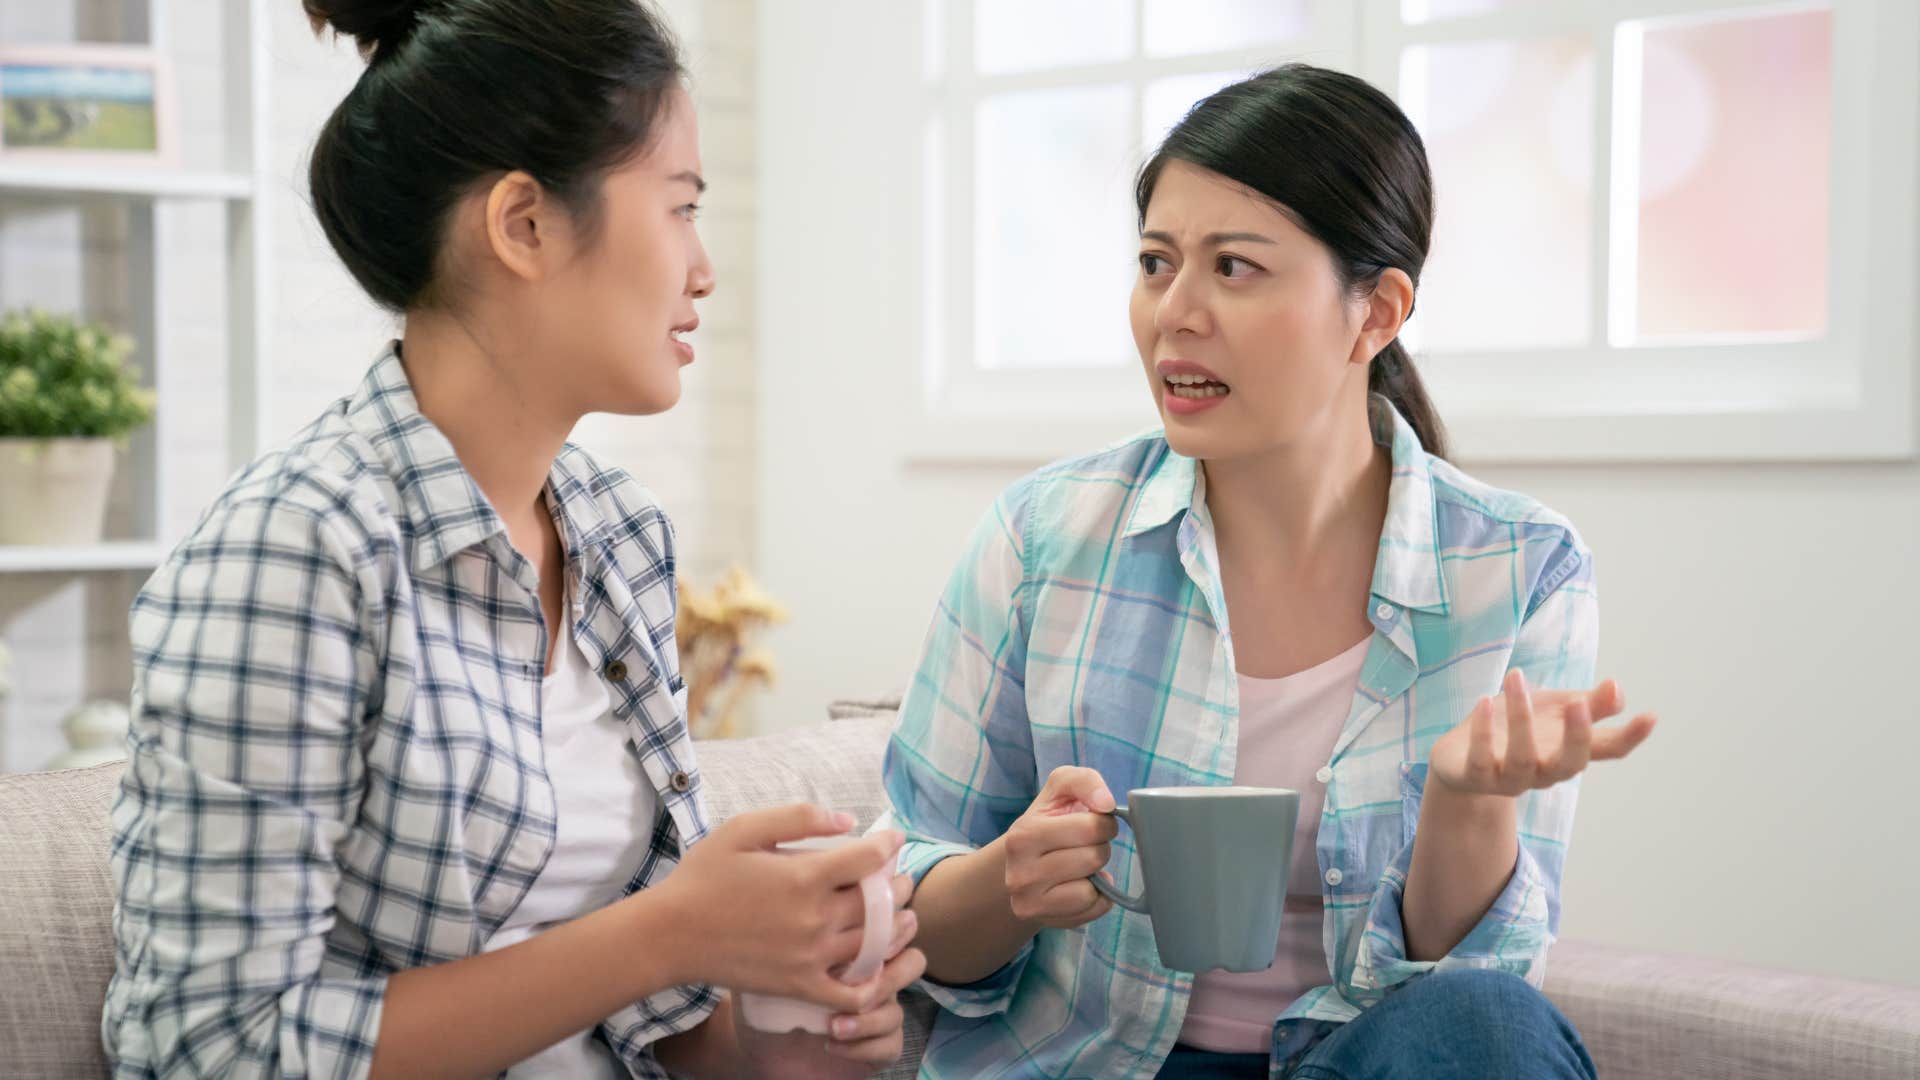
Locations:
(1167, 101)
(1020, 35)
(1053, 228)
(1509, 133)
(1179, 27)
(1422, 11)
(1735, 120)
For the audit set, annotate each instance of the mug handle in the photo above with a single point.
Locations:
(1131, 903)
(876, 933)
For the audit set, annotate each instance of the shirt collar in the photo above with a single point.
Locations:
(1406, 571)
(445, 509)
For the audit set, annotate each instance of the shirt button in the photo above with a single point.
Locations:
(681, 782)
(1384, 612)
(616, 671)
(1334, 876)
(1325, 774)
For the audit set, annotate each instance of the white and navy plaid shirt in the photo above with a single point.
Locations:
(336, 767)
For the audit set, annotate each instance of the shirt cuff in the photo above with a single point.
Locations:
(985, 997)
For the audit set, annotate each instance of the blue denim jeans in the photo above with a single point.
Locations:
(1465, 1025)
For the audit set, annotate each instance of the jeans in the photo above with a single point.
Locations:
(1464, 1025)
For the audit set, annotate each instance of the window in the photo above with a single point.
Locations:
(1038, 115)
(1667, 229)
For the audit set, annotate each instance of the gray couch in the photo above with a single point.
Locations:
(1645, 1016)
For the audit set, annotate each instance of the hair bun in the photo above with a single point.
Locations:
(374, 24)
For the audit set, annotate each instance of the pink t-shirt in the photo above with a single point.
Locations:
(1287, 731)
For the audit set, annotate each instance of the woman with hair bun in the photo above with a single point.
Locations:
(411, 790)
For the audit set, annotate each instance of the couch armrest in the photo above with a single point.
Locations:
(1651, 1016)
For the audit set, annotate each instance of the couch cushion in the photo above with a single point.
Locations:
(1648, 1016)
(836, 765)
(56, 909)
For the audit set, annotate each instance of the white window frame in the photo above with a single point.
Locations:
(1030, 415)
(1845, 396)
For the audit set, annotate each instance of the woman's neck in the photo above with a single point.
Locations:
(1301, 505)
(476, 396)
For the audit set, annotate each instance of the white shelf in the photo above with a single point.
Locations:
(117, 555)
(147, 183)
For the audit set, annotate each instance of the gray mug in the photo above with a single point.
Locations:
(1214, 866)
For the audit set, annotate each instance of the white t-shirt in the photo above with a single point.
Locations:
(1288, 728)
(606, 810)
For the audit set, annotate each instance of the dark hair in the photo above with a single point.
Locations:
(460, 91)
(1344, 163)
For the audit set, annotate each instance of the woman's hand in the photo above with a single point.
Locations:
(858, 1044)
(749, 917)
(1523, 740)
(1056, 845)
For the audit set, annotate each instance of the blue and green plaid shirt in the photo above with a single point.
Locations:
(1086, 626)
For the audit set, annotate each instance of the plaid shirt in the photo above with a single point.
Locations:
(336, 767)
(1086, 626)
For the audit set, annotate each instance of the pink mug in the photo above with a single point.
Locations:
(769, 1012)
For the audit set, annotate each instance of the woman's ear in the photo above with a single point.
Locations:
(1388, 306)
(522, 231)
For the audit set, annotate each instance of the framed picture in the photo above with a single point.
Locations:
(85, 104)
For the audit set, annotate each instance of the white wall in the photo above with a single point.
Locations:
(1767, 612)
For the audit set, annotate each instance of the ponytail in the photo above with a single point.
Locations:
(1393, 377)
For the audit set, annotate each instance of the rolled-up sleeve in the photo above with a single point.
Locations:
(255, 655)
(960, 768)
(1556, 648)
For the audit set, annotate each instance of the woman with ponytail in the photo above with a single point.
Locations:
(411, 791)
(1289, 586)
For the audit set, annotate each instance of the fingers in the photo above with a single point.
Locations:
(1071, 784)
(853, 999)
(846, 909)
(1611, 744)
(845, 944)
(1605, 700)
(874, 1036)
(1575, 746)
(1480, 760)
(857, 860)
(1058, 867)
(877, 1052)
(905, 925)
(885, 1020)
(1070, 904)
(761, 830)
(1038, 835)
(902, 890)
(1523, 752)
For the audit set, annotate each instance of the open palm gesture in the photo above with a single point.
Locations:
(1522, 739)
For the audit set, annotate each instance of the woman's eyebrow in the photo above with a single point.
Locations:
(1211, 239)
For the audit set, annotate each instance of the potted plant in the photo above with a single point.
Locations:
(67, 400)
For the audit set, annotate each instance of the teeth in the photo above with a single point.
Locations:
(1188, 380)
(1183, 390)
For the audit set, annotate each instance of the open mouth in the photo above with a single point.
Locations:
(1195, 387)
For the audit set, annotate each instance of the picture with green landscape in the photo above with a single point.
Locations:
(90, 107)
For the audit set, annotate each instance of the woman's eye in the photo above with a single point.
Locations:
(690, 211)
(1227, 264)
(1152, 264)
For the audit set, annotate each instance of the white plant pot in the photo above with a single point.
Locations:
(53, 492)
